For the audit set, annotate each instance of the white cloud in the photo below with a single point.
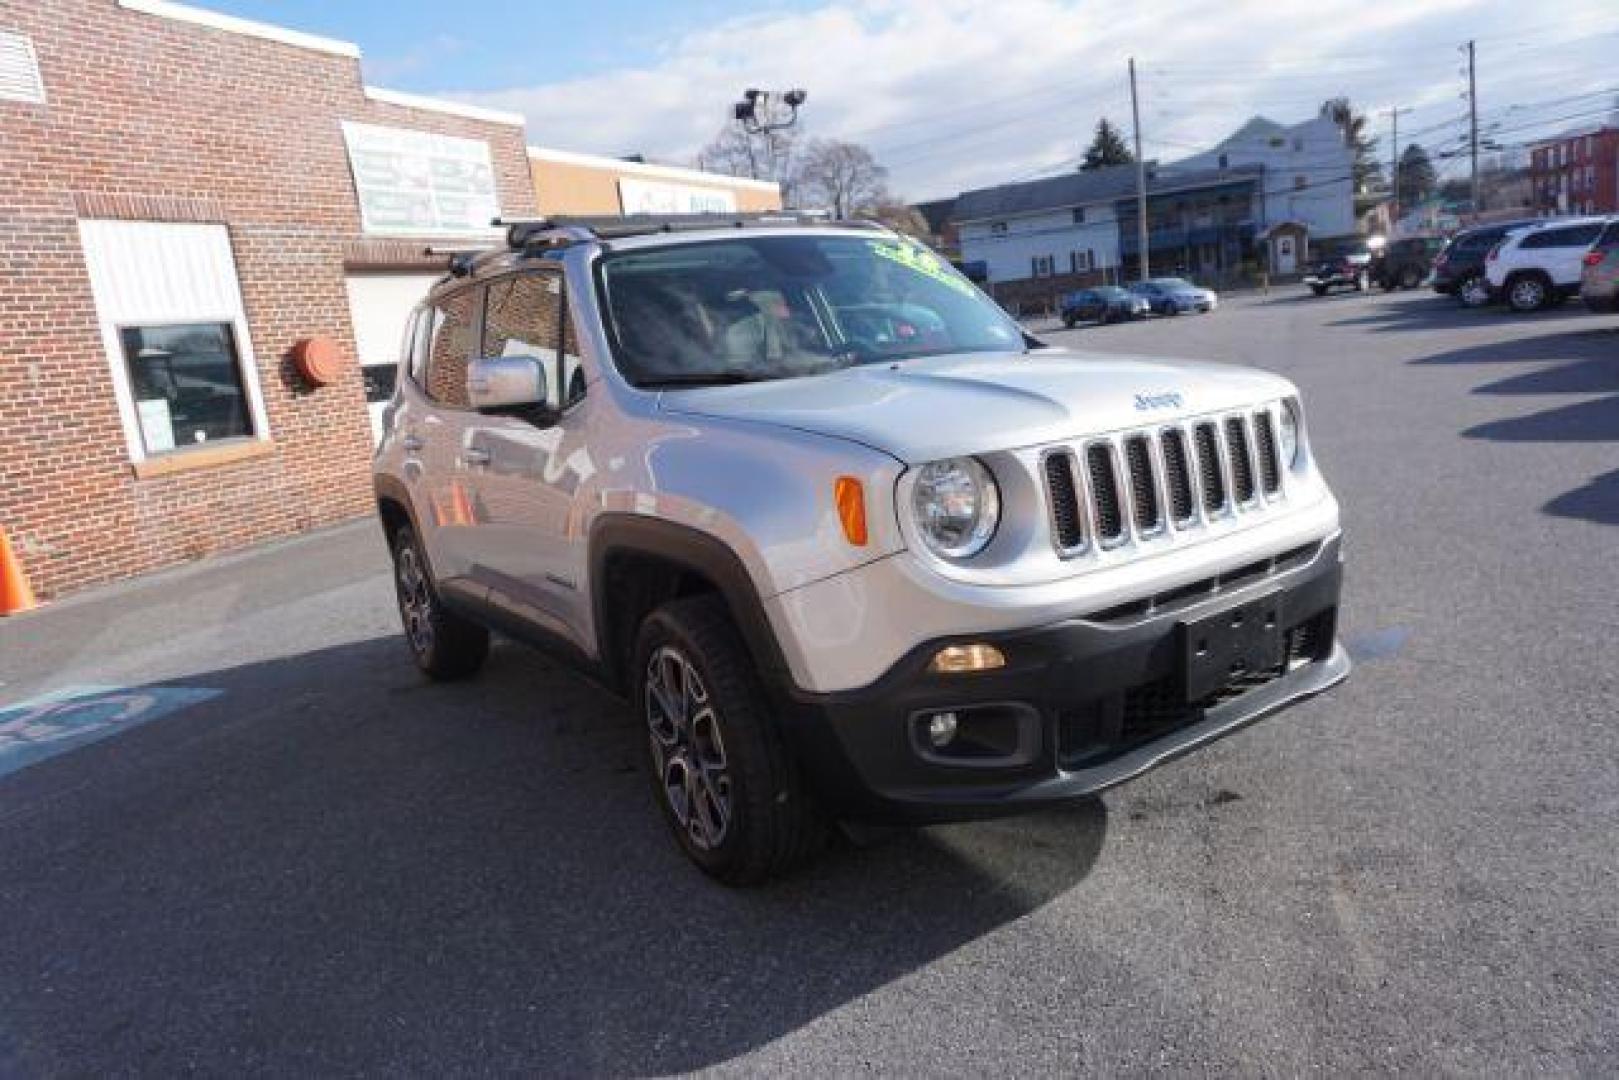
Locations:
(959, 93)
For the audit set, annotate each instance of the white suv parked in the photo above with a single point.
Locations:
(1540, 266)
(851, 543)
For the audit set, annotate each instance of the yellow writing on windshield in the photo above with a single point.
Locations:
(913, 256)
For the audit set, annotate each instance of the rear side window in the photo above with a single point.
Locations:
(1572, 236)
(1610, 236)
(450, 348)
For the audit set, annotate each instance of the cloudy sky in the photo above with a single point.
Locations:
(952, 94)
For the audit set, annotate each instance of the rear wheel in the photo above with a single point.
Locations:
(1319, 290)
(720, 769)
(1474, 291)
(443, 644)
(1410, 277)
(1528, 292)
(1069, 321)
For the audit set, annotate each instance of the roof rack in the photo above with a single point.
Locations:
(523, 234)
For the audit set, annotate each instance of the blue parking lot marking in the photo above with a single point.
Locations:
(55, 723)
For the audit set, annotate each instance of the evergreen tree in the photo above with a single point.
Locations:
(1107, 148)
(1368, 171)
(1418, 180)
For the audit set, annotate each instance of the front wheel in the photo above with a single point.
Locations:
(1319, 290)
(1410, 277)
(443, 644)
(720, 769)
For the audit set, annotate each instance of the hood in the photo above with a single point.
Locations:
(940, 406)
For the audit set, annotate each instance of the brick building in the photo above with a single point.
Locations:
(1577, 172)
(184, 198)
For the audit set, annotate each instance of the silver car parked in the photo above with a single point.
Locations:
(851, 542)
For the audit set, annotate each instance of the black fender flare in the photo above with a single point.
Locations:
(619, 533)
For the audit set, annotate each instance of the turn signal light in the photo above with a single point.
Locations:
(850, 495)
(959, 659)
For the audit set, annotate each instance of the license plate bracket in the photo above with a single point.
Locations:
(1242, 638)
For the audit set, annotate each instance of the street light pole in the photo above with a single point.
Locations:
(1141, 177)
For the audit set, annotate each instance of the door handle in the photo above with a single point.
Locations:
(472, 455)
(412, 444)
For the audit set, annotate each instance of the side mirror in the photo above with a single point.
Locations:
(507, 382)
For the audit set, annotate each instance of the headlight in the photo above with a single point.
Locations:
(956, 506)
(1289, 416)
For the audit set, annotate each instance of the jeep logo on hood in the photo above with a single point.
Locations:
(1145, 402)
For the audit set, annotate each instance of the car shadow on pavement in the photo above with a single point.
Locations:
(335, 866)
(1583, 361)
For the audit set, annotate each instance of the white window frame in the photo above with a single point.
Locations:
(114, 315)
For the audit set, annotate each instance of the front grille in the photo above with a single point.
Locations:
(1105, 493)
(1124, 496)
(1065, 514)
(1208, 467)
(1143, 493)
(1270, 470)
(1242, 468)
(1178, 475)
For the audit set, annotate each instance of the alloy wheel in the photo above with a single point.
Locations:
(1527, 294)
(1475, 292)
(415, 600)
(688, 750)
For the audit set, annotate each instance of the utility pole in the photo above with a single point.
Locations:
(1394, 171)
(1472, 125)
(1141, 177)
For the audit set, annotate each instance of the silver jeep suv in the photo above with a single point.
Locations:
(854, 545)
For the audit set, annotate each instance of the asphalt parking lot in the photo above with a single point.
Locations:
(308, 860)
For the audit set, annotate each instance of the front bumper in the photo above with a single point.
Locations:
(1082, 705)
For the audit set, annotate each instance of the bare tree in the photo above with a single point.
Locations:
(840, 177)
(897, 215)
(770, 156)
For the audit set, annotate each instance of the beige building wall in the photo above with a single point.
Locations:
(569, 183)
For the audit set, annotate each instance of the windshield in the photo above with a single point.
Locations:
(774, 307)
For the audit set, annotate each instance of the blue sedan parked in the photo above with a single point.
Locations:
(1173, 295)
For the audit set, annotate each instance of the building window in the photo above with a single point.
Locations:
(998, 229)
(1298, 144)
(175, 334)
(1225, 161)
(1300, 183)
(187, 382)
(1080, 261)
(19, 70)
(1044, 265)
(1079, 215)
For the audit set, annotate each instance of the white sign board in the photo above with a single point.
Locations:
(655, 197)
(414, 183)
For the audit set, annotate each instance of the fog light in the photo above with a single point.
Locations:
(955, 659)
(941, 729)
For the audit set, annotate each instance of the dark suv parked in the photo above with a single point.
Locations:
(1404, 264)
(1458, 269)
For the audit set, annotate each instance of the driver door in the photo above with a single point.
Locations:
(529, 470)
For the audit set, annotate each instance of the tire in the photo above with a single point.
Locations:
(752, 818)
(1068, 321)
(1387, 284)
(1528, 292)
(1319, 290)
(444, 645)
(1473, 291)
(1410, 277)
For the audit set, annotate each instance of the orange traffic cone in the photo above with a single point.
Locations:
(15, 595)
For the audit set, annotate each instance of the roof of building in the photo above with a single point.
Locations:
(633, 167)
(1107, 184)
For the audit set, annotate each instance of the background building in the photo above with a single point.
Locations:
(1308, 169)
(569, 183)
(1577, 172)
(185, 199)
